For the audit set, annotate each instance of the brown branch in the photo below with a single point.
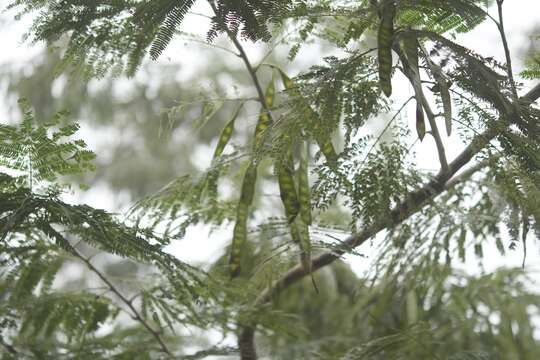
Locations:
(415, 201)
(49, 230)
(414, 79)
(531, 96)
(466, 174)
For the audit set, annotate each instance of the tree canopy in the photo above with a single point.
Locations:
(296, 178)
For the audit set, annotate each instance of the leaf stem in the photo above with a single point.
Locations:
(134, 312)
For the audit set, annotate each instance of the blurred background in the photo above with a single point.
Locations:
(164, 123)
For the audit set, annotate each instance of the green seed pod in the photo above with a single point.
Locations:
(304, 193)
(287, 189)
(385, 34)
(240, 227)
(226, 133)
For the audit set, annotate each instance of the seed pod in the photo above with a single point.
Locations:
(304, 194)
(420, 121)
(264, 117)
(239, 239)
(269, 94)
(287, 189)
(384, 37)
(323, 141)
(226, 133)
(287, 82)
(445, 96)
(305, 245)
(240, 227)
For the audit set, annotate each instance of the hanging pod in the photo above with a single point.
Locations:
(304, 196)
(226, 133)
(264, 117)
(287, 188)
(248, 186)
(240, 227)
(304, 193)
(384, 40)
(444, 91)
(410, 47)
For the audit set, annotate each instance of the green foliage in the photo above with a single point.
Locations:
(42, 153)
(40, 235)
(384, 40)
(114, 36)
(413, 302)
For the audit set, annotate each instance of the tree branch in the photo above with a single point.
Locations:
(136, 315)
(414, 202)
(414, 79)
(49, 230)
(251, 70)
(500, 26)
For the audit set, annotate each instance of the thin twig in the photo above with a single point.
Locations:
(247, 63)
(500, 26)
(414, 79)
(135, 313)
(385, 128)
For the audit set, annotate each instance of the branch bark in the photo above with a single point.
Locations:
(414, 79)
(242, 53)
(414, 202)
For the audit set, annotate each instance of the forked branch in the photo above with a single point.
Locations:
(413, 203)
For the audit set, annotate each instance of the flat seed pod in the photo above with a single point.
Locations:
(240, 227)
(287, 189)
(304, 194)
(324, 142)
(287, 82)
(270, 94)
(248, 185)
(264, 117)
(300, 235)
(420, 121)
(410, 47)
(226, 133)
(305, 244)
(384, 39)
(327, 148)
(239, 239)
(260, 129)
(447, 106)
